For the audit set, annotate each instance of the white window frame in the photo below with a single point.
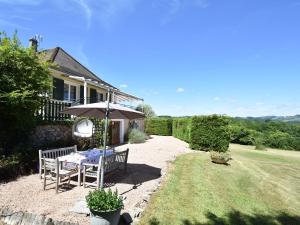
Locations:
(69, 90)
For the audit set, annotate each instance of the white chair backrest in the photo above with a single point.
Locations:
(50, 164)
(54, 153)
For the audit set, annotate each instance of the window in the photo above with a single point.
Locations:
(100, 97)
(66, 92)
(69, 92)
(72, 93)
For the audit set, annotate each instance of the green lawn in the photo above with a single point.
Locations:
(259, 187)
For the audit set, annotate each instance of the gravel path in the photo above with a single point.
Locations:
(146, 164)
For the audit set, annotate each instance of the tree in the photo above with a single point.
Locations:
(24, 80)
(147, 109)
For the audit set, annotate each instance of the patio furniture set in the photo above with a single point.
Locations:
(59, 164)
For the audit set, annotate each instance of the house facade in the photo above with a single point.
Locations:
(75, 84)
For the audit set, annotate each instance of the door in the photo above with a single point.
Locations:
(115, 133)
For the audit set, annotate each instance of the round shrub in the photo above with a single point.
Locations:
(102, 201)
(136, 136)
(210, 133)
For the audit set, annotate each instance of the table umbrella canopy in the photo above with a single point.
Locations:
(98, 110)
(104, 110)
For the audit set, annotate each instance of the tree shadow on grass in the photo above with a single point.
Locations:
(238, 218)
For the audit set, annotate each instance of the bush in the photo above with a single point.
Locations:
(274, 134)
(210, 133)
(181, 128)
(136, 136)
(280, 140)
(102, 201)
(158, 126)
(24, 80)
(259, 145)
(22, 161)
(146, 109)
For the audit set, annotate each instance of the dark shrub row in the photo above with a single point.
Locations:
(22, 161)
(272, 134)
(201, 132)
(158, 126)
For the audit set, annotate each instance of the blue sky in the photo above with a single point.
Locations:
(184, 57)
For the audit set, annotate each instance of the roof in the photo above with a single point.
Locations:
(67, 64)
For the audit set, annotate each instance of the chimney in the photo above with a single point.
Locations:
(33, 43)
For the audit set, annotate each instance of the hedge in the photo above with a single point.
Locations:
(158, 126)
(210, 133)
(181, 128)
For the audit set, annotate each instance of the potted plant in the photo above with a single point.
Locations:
(220, 157)
(105, 207)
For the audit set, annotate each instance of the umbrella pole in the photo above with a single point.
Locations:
(105, 140)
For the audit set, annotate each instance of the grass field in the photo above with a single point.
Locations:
(259, 187)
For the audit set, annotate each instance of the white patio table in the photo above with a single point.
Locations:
(75, 160)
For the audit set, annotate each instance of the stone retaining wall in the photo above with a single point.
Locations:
(8, 217)
(47, 134)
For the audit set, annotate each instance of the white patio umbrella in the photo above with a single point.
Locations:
(104, 110)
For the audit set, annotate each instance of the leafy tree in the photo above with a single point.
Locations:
(147, 109)
(24, 79)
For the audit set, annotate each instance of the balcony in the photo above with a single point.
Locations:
(50, 108)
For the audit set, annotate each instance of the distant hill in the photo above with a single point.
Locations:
(288, 119)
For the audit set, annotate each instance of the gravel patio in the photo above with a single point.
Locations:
(146, 164)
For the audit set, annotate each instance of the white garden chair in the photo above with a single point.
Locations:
(53, 171)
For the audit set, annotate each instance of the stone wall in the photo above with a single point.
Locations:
(44, 135)
(8, 217)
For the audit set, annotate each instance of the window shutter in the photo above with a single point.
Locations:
(81, 94)
(58, 89)
(93, 95)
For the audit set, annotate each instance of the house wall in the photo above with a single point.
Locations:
(77, 83)
(127, 125)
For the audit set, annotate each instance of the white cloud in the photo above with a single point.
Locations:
(201, 3)
(108, 12)
(4, 22)
(150, 92)
(22, 2)
(180, 90)
(123, 85)
(82, 56)
(216, 98)
(87, 12)
(232, 100)
(14, 17)
(175, 6)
